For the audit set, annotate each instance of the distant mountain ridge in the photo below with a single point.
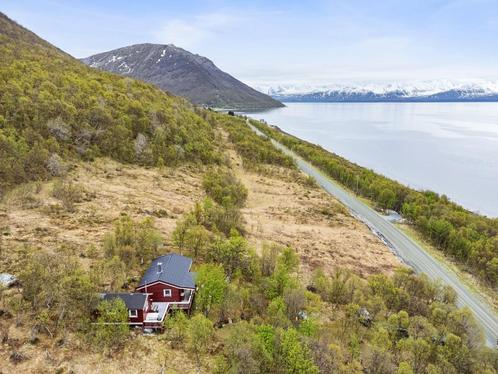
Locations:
(428, 91)
(182, 73)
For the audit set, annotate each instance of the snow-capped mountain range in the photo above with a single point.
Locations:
(422, 91)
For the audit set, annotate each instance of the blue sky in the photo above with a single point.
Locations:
(283, 42)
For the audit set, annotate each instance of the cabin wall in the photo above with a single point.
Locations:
(157, 292)
(138, 319)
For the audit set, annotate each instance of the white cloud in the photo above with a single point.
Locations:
(188, 33)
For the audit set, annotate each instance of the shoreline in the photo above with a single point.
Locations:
(424, 173)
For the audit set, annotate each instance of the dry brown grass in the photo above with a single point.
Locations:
(110, 189)
(286, 210)
(282, 207)
(141, 354)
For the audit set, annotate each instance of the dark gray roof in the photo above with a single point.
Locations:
(174, 269)
(132, 300)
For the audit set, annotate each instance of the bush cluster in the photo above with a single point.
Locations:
(224, 188)
(255, 150)
(339, 323)
(469, 238)
(68, 193)
(254, 313)
(134, 243)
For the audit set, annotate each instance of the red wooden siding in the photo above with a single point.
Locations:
(139, 318)
(140, 313)
(157, 292)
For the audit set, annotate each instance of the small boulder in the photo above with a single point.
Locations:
(7, 280)
(365, 317)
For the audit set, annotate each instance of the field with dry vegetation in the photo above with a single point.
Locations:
(72, 215)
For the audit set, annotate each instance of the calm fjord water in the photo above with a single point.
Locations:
(450, 148)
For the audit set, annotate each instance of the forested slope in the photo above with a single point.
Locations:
(52, 107)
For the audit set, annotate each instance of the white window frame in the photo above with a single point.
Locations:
(167, 292)
(133, 313)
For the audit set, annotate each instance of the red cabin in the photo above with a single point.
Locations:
(166, 285)
(169, 282)
(138, 305)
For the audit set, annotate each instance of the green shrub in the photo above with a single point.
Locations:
(224, 188)
(213, 217)
(111, 328)
(234, 255)
(200, 334)
(254, 149)
(133, 241)
(50, 283)
(211, 283)
(177, 328)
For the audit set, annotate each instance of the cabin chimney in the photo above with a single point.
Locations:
(159, 267)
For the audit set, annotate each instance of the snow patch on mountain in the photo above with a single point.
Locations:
(182, 73)
(419, 89)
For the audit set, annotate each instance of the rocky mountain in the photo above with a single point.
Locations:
(182, 73)
(428, 91)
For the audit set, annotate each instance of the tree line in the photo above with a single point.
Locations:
(469, 238)
(253, 312)
(254, 150)
(54, 109)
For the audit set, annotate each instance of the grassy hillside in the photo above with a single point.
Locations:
(469, 238)
(287, 281)
(52, 108)
(263, 318)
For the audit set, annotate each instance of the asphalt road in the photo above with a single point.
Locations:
(403, 246)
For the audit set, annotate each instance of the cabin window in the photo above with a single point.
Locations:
(133, 313)
(167, 292)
